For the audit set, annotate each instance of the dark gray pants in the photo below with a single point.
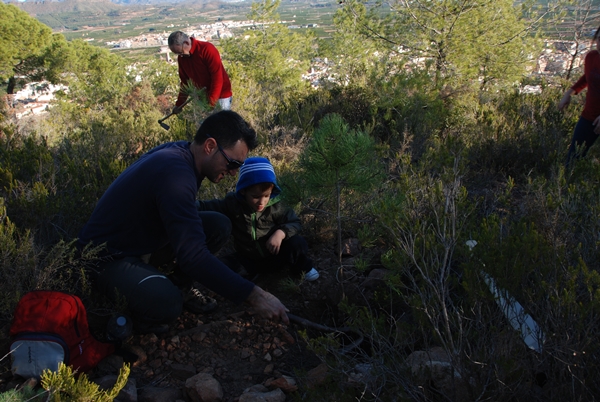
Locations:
(152, 298)
(293, 252)
(583, 138)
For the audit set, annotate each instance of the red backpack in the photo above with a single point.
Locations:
(49, 328)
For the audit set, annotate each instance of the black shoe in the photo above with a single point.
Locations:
(195, 302)
(143, 328)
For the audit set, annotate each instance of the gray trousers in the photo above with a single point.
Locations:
(151, 297)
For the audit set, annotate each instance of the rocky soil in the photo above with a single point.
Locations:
(231, 350)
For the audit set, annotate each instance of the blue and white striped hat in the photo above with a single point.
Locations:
(257, 170)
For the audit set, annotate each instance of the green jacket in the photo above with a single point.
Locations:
(251, 229)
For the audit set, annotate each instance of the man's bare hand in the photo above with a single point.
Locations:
(267, 305)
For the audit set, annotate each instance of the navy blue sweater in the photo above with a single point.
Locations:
(152, 203)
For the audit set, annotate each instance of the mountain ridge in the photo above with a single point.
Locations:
(41, 7)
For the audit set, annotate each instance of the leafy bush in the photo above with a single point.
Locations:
(23, 395)
(265, 66)
(62, 386)
(517, 133)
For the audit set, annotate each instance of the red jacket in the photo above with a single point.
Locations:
(591, 80)
(205, 69)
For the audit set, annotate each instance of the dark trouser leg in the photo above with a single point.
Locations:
(151, 297)
(293, 252)
(217, 229)
(583, 136)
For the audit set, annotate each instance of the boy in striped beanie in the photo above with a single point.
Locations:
(265, 232)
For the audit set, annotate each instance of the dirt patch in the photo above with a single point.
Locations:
(237, 348)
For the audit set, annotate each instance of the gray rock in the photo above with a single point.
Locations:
(127, 394)
(269, 368)
(110, 364)
(436, 366)
(276, 395)
(376, 278)
(154, 394)
(256, 388)
(203, 387)
(317, 375)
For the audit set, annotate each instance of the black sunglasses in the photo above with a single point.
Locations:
(232, 164)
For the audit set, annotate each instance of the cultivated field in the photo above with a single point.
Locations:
(103, 21)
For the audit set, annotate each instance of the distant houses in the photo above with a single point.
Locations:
(303, 26)
(560, 55)
(218, 30)
(34, 98)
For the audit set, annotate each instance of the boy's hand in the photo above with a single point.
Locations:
(274, 242)
(267, 305)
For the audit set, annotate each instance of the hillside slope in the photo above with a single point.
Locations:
(38, 8)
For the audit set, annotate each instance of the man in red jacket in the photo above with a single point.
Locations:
(200, 62)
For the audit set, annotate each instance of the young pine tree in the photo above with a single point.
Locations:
(338, 162)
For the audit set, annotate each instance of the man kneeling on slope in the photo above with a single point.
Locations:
(151, 207)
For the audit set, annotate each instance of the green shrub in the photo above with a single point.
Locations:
(25, 394)
(63, 387)
(25, 266)
(516, 133)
